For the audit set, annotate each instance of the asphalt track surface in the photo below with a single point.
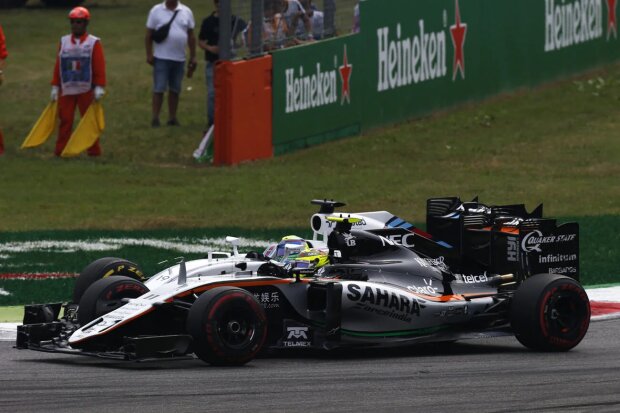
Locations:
(491, 375)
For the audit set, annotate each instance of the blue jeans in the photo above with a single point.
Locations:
(167, 75)
(210, 77)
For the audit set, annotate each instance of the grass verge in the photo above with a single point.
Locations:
(558, 144)
(12, 314)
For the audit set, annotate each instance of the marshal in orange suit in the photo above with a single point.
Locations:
(79, 76)
(3, 55)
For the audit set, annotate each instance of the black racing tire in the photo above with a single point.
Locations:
(228, 326)
(102, 268)
(550, 312)
(106, 295)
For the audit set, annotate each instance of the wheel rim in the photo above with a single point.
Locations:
(113, 298)
(565, 315)
(237, 328)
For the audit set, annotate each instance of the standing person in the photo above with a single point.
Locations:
(274, 27)
(356, 18)
(79, 76)
(316, 20)
(208, 40)
(168, 56)
(293, 13)
(3, 55)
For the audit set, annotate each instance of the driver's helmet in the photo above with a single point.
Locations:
(278, 252)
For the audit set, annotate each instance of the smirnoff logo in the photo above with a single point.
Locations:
(569, 23)
(319, 88)
(409, 59)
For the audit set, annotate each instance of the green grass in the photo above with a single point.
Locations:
(558, 144)
(11, 314)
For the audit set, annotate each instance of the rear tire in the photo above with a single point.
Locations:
(106, 295)
(102, 268)
(550, 312)
(228, 325)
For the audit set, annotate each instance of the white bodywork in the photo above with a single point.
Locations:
(173, 281)
(182, 279)
(164, 286)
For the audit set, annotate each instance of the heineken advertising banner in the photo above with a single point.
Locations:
(316, 93)
(417, 56)
(431, 54)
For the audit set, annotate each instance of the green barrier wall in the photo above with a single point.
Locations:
(317, 93)
(417, 56)
(433, 54)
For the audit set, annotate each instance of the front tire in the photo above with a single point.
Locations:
(550, 312)
(102, 268)
(228, 325)
(106, 295)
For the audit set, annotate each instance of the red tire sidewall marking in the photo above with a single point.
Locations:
(583, 327)
(211, 327)
(129, 287)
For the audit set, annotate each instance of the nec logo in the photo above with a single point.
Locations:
(405, 240)
(297, 332)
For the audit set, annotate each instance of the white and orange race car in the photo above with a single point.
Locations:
(473, 273)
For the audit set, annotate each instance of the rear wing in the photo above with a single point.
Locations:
(505, 238)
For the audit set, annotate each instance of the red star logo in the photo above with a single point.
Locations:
(458, 32)
(345, 75)
(612, 22)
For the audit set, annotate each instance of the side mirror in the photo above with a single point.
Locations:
(234, 242)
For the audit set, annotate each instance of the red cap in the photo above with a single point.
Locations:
(79, 13)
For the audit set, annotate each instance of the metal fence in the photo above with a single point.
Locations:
(282, 23)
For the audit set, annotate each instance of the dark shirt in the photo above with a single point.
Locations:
(210, 31)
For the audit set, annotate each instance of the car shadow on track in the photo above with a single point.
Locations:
(441, 349)
(120, 365)
(447, 349)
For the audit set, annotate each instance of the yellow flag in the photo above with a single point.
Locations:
(44, 127)
(87, 132)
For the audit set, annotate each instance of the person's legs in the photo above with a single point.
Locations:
(66, 111)
(158, 99)
(173, 105)
(177, 70)
(83, 101)
(210, 76)
(160, 84)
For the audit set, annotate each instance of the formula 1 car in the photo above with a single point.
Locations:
(387, 284)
